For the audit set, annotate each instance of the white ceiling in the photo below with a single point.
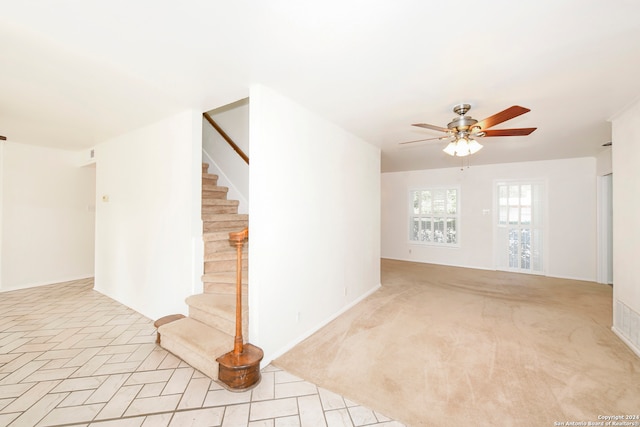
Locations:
(75, 72)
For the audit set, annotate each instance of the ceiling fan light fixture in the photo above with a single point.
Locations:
(450, 149)
(474, 146)
(462, 147)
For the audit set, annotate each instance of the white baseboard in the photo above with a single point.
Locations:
(437, 263)
(44, 283)
(545, 274)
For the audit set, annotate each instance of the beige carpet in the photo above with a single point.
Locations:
(445, 346)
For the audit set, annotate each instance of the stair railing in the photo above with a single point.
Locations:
(239, 369)
(226, 137)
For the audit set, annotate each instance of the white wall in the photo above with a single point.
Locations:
(626, 228)
(232, 171)
(314, 221)
(47, 219)
(571, 222)
(149, 232)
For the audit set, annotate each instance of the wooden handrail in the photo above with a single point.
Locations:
(226, 137)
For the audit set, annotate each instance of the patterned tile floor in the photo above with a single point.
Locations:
(70, 356)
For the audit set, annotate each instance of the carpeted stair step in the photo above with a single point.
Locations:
(222, 288)
(205, 167)
(224, 222)
(224, 261)
(224, 283)
(196, 343)
(214, 202)
(216, 246)
(224, 265)
(209, 187)
(225, 255)
(226, 226)
(219, 209)
(219, 206)
(214, 192)
(225, 217)
(225, 278)
(218, 311)
(218, 241)
(209, 179)
(212, 236)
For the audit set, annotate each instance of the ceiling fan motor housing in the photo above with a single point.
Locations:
(462, 123)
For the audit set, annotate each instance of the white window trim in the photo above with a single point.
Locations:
(458, 216)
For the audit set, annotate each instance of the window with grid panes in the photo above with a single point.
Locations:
(519, 230)
(434, 216)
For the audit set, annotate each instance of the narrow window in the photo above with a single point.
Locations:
(519, 228)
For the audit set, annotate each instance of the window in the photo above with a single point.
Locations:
(519, 226)
(434, 216)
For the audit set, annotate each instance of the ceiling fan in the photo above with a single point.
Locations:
(463, 130)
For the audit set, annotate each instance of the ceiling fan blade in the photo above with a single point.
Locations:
(509, 132)
(502, 116)
(420, 140)
(432, 127)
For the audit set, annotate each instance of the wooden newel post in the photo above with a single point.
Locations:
(238, 240)
(239, 369)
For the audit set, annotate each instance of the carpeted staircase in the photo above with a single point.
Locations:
(208, 332)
